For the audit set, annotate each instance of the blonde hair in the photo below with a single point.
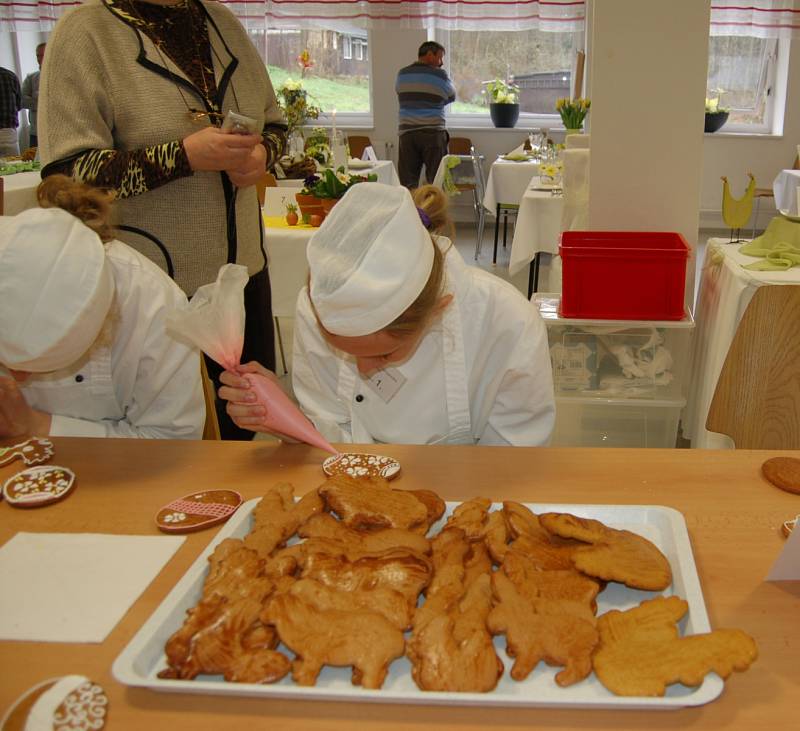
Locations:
(434, 204)
(93, 206)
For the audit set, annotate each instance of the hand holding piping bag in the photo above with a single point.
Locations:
(214, 322)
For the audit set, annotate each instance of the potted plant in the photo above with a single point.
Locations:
(572, 113)
(333, 185)
(716, 115)
(307, 199)
(291, 214)
(317, 146)
(503, 102)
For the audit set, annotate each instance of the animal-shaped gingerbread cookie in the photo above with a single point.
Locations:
(641, 653)
(38, 486)
(31, 451)
(198, 511)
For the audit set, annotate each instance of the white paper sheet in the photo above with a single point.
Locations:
(74, 587)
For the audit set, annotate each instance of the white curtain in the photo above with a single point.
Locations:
(759, 18)
(548, 15)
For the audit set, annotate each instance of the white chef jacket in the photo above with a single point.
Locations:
(480, 375)
(143, 383)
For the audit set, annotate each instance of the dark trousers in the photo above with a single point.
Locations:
(418, 147)
(259, 344)
(33, 141)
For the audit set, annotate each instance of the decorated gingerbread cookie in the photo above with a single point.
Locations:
(32, 451)
(783, 472)
(198, 510)
(71, 703)
(38, 486)
(361, 465)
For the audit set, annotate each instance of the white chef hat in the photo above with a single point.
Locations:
(56, 288)
(369, 261)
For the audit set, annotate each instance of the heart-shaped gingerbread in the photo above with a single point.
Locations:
(198, 511)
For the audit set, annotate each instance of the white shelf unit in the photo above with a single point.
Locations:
(618, 383)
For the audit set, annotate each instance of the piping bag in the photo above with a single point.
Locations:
(213, 320)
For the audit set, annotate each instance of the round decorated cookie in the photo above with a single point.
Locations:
(71, 703)
(361, 465)
(198, 510)
(38, 486)
(783, 472)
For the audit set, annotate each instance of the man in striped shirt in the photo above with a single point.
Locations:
(423, 90)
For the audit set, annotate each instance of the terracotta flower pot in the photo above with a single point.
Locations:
(310, 205)
(328, 204)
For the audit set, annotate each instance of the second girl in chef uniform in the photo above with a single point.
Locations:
(397, 340)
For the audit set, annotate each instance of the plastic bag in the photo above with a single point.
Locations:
(214, 322)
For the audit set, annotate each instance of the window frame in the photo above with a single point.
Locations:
(773, 118)
(347, 47)
(474, 120)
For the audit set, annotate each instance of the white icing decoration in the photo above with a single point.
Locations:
(174, 517)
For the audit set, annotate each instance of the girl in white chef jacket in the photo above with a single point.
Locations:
(83, 348)
(397, 340)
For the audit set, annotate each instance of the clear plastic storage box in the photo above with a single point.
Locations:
(617, 382)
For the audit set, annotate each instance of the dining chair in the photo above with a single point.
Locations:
(267, 181)
(467, 177)
(459, 146)
(757, 398)
(357, 144)
(767, 193)
(211, 427)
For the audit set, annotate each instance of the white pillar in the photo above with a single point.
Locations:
(649, 63)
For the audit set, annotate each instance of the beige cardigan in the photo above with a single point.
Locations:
(98, 93)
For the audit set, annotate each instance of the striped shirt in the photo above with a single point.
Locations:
(423, 92)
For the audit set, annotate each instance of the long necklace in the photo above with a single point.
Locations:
(196, 115)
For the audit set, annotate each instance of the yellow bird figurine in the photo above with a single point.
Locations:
(736, 213)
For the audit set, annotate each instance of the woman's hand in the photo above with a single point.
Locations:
(17, 418)
(212, 149)
(252, 170)
(242, 406)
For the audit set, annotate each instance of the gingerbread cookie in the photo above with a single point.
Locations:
(33, 451)
(198, 511)
(361, 465)
(789, 525)
(71, 703)
(783, 472)
(38, 486)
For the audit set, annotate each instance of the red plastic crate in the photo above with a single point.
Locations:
(623, 275)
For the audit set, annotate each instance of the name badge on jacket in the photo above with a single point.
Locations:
(386, 383)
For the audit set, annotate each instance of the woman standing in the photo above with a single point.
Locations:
(132, 99)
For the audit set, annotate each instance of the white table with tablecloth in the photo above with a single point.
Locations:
(726, 289)
(537, 229)
(786, 188)
(19, 192)
(508, 180)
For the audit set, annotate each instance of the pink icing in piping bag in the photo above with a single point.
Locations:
(282, 415)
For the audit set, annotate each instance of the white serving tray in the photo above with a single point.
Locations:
(142, 659)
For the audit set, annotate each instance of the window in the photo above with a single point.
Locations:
(741, 74)
(335, 80)
(539, 62)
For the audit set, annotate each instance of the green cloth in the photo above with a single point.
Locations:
(448, 184)
(779, 246)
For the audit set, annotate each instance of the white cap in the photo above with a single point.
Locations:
(56, 288)
(369, 261)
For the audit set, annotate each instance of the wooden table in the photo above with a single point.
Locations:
(733, 517)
